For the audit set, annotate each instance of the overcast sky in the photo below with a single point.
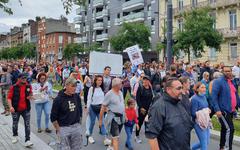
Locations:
(29, 10)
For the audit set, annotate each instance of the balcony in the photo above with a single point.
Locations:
(102, 37)
(98, 26)
(227, 33)
(217, 4)
(109, 24)
(134, 17)
(87, 28)
(78, 19)
(80, 9)
(101, 14)
(133, 5)
(117, 21)
(78, 31)
(98, 3)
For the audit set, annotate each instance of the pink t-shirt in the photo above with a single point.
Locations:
(233, 95)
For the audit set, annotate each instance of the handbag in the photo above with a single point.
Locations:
(96, 108)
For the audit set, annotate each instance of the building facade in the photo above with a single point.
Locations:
(5, 42)
(30, 32)
(227, 15)
(16, 36)
(53, 34)
(55, 43)
(99, 20)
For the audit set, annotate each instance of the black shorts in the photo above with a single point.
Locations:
(115, 129)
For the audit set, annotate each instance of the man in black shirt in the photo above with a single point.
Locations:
(169, 125)
(66, 116)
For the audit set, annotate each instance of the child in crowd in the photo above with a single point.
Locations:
(131, 120)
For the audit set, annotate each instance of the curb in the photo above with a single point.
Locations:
(216, 135)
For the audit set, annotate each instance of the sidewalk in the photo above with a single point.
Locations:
(6, 135)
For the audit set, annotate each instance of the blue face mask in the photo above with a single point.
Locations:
(202, 94)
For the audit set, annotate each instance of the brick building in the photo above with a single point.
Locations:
(53, 35)
(55, 42)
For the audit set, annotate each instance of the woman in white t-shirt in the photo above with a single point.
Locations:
(41, 93)
(94, 103)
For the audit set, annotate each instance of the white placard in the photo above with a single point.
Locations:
(134, 54)
(98, 61)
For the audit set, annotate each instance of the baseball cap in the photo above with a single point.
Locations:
(71, 81)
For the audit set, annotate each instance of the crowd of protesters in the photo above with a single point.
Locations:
(169, 103)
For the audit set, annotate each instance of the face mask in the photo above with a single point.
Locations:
(202, 94)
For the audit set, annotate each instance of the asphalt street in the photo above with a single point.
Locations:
(51, 139)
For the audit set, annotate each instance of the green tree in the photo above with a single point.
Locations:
(68, 4)
(131, 34)
(197, 33)
(29, 50)
(96, 46)
(72, 50)
(5, 8)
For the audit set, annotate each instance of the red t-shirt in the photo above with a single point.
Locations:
(131, 115)
(22, 105)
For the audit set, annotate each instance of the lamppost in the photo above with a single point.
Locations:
(169, 33)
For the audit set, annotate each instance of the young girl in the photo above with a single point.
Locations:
(131, 119)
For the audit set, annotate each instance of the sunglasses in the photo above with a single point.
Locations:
(179, 88)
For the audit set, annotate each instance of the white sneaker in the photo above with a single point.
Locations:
(28, 144)
(110, 148)
(107, 142)
(14, 139)
(138, 140)
(91, 140)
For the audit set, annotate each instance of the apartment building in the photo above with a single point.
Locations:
(53, 35)
(5, 41)
(16, 35)
(30, 32)
(227, 15)
(99, 20)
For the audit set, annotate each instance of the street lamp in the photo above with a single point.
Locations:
(169, 33)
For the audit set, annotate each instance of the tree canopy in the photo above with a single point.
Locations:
(131, 34)
(198, 32)
(72, 49)
(26, 50)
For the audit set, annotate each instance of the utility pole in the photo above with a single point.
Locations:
(169, 33)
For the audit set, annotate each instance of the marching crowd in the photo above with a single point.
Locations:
(167, 103)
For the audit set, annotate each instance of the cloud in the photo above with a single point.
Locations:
(32, 8)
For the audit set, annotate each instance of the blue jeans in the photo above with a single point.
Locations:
(43, 107)
(93, 117)
(203, 136)
(129, 131)
(88, 121)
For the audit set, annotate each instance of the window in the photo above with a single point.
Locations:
(233, 50)
(212, 53)
(233, 20)
(213, 15)
(180, 24)
(180, 5)
(69, 39)
(60, 39)
(194, 3)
